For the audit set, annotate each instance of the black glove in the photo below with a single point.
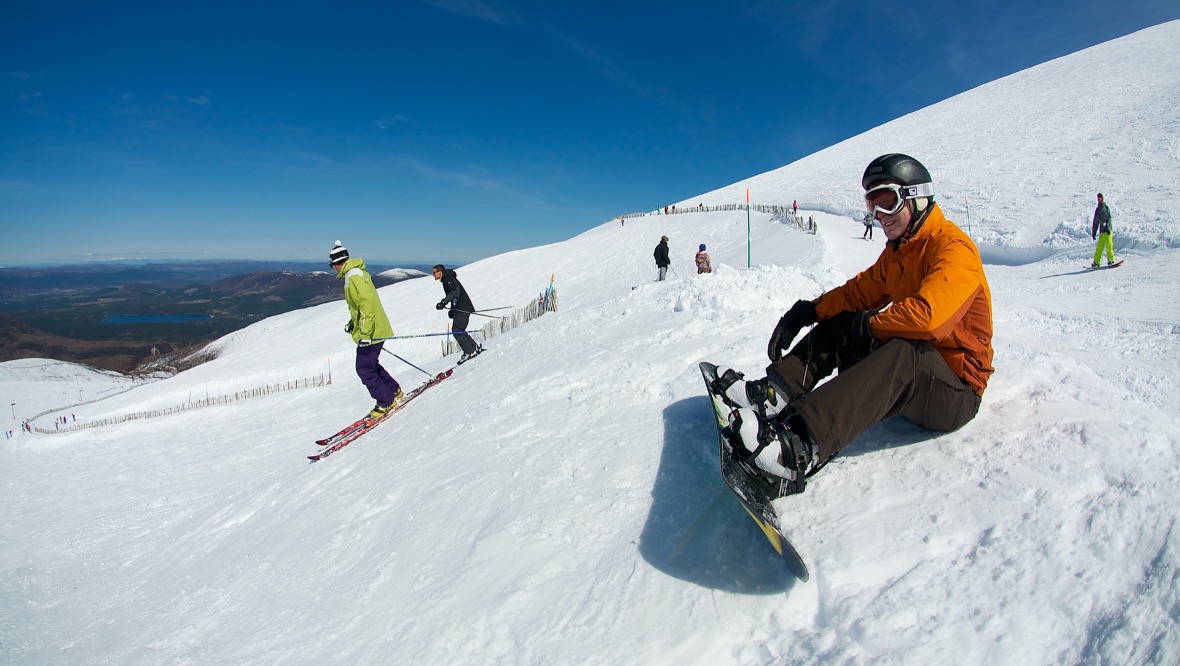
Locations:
(858, 341)
(801, 314)
(451, 314)
(441, 305)
(348, 327)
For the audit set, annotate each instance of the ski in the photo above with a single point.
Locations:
(466, 357)
(751, 489)
(352, 432)
(359, 424)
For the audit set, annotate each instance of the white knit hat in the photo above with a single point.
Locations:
(338, 254)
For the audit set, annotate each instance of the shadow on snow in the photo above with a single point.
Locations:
(696, 530)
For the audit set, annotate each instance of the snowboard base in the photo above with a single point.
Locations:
(752, 489)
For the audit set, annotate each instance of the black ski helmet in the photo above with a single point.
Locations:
(900, 168)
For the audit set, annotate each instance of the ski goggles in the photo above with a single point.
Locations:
(889, 199)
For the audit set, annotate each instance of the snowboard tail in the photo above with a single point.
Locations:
(752, 489)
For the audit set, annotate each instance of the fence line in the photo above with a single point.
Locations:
(776, 210)
(545, 302)
(322, 380)
(809, 225)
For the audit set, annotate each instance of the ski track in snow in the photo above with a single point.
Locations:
(557, 500)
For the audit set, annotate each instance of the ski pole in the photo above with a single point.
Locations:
(476, 312)
(406, 337)
(406, 362)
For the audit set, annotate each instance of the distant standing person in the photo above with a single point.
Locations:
(702, 259)
(662, 257)
(794, 207)
(1101, 230)
(456, 297)
(367, 321)
(868, 222)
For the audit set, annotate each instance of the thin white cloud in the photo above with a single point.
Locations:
(475, 182)
(474, 9)
(390, 121)
(14, 186)
(599, 63)
(490, 12)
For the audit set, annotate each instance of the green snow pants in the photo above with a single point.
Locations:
(1105, 242)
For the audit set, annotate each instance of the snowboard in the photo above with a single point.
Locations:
(752, 489)
(1098, 268)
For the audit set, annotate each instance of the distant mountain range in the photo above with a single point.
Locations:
(59, 312)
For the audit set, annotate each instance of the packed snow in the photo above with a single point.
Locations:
(557, 500)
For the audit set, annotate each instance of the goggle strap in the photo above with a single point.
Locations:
(919, 190)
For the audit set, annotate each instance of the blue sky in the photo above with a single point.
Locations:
(451, 130)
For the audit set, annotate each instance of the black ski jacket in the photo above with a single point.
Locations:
(661, 255)
(456, 296)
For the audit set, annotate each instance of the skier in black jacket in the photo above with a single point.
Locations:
(662, 258)
(461, 308)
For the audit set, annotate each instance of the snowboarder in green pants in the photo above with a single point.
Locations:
(1100, 230)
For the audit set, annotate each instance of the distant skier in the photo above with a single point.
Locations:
(456, 297)
(1101, 230)
(662, 257)
(702, 261)
(367, 321)
(868, 222)
(928, 356)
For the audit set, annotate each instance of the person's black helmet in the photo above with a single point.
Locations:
(899, 168)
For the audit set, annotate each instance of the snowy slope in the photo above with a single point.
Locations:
(1028, 152)
(401, 273)
(557, 500)
(32, 385)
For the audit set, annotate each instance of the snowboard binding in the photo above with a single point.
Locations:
(759, 394)
(771, 450)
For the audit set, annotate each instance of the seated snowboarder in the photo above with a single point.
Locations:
(910, 335)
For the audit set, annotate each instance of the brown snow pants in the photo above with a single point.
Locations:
(906, 377)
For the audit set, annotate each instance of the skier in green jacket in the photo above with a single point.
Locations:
(367, 321)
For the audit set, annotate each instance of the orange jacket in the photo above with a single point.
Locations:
(935, 288)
